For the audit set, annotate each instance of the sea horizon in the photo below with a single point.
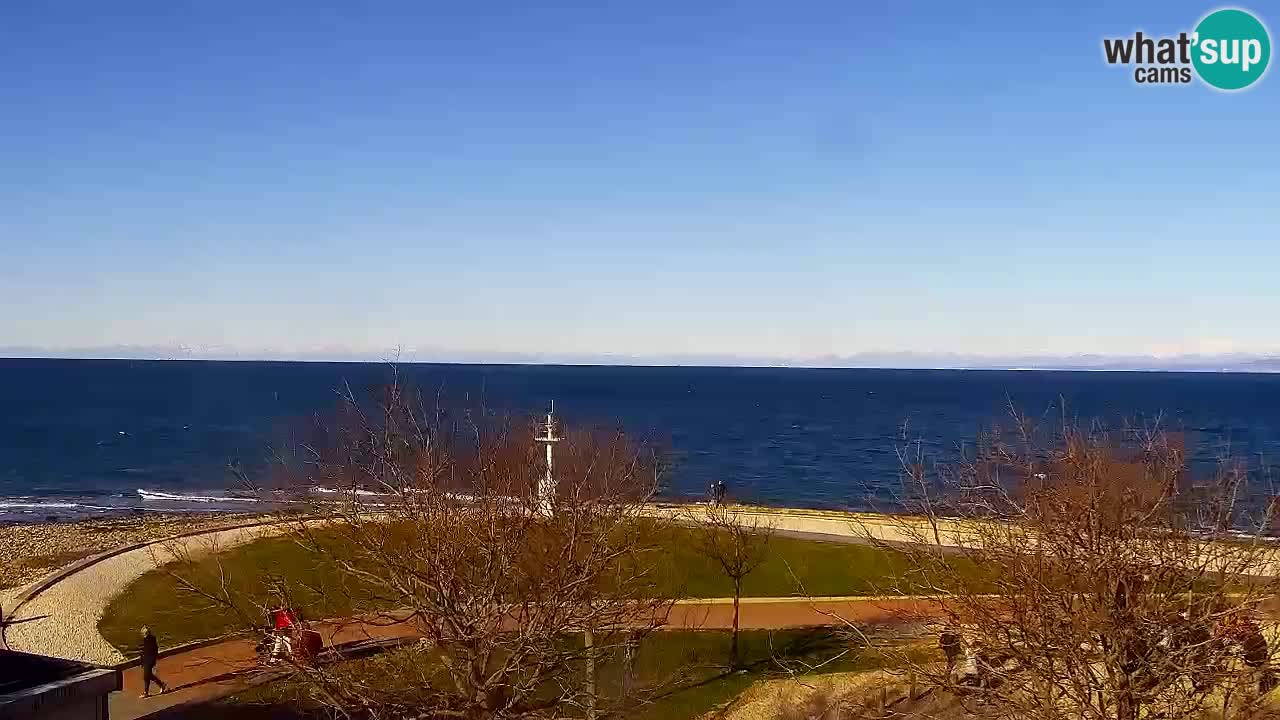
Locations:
(1200, 366)
(90, 437)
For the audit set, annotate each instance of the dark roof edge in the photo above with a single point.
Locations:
(33, 701)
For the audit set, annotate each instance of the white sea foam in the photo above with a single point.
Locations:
(464, 497)
(156, 495)
(345, 491)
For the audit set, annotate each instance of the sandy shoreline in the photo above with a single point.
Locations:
(30, 551)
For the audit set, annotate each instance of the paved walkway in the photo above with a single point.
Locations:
(828, 524)
(215, 671)
(791, 612)
(75, 604)
(208, 673)
(220, 669)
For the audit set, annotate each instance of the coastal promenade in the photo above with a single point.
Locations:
(833, 525)
(63, 610)
(208, 671)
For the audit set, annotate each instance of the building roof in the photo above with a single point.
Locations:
(32, 684)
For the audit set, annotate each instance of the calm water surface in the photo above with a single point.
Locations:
(84, 437)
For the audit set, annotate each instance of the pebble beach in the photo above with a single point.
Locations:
(30, 551)
(62, 620)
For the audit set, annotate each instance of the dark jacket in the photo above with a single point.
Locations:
(150, 650)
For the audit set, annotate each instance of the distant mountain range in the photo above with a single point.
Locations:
(1228, 362)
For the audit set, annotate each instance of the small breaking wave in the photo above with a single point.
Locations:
(26, 506)
(319, 489)
(156, 495)
(347, 491)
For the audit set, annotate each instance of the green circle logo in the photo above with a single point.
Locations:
(1232, 49)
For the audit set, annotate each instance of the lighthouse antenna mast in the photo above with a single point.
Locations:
(547, 487)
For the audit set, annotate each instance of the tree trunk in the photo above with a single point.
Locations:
(589, 641)
(628, 667)
(733, 643)
(1126, 706)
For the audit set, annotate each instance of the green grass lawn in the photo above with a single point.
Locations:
(178, 615)
(320, 590)
(821, 568)
(694, 659)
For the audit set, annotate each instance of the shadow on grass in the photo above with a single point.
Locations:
(707, 683)
(678, 674)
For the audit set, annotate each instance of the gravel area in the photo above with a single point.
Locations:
(767, 699)
(32, 551)
(71, 609)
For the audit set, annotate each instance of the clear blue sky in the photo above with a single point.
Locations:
(645, 178)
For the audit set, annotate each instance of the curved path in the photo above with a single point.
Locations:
(68, 605)
(204, 672)
(208, 672)
(71, 602)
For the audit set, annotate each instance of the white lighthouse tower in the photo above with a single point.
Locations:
(547, 487)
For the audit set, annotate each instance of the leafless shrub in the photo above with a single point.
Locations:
(437, 522)
(737, 543)
(1110, 582)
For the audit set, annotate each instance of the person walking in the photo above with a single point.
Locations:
(150, 654)
(951, 646)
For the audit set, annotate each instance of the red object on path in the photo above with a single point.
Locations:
(309, 646)
(283, 619)
(218, 670)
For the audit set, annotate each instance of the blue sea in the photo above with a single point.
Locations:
(96, 437)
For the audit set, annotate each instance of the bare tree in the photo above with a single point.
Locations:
(1092, 575)
(737, 543)
(436, 520)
